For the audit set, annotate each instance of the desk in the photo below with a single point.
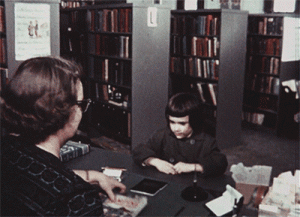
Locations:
(167, 202)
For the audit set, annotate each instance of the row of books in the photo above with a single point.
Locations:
(265, 25)
(2, 19)
(110, 119)
(195, 67)
(196, 46)
(266, 84)
(110, 94)
(263, 64)
(252, 117)
(113, 71)
(268, 46)
(263, 102)
(73, 41)
(76, 20)
(3, 51)
(76, 3)
(110, 20)
(198, 24)
(119, 46)
(208, 92)
(73, 150)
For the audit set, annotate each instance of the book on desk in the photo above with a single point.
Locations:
(72, 150)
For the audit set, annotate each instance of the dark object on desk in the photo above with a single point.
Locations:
(258, 195)
(289, 106)
(194, 193)
(149, 187)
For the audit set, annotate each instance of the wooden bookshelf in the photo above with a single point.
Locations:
(119, 73)
(270, 60)
(207, 57)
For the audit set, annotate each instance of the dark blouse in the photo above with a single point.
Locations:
(199, 148)
(35, 182)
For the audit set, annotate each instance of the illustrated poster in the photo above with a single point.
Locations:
(32, 30)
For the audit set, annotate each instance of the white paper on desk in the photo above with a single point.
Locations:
(115, 173)
(257, 174)
(297, 177)
(224, 204)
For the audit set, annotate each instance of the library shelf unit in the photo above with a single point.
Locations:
(115, 47)
(207, 57)
(272, 57)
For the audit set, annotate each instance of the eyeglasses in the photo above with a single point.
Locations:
(84, 104)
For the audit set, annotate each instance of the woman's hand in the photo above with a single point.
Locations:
(105, 182)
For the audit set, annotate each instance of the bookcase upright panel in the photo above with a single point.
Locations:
(272, 57)
(207, 58)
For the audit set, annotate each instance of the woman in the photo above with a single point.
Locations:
(41, 109)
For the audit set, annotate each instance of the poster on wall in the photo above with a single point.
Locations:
(32, 30)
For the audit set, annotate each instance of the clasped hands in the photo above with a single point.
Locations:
(168, 168)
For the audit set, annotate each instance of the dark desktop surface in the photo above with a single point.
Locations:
(167, 202)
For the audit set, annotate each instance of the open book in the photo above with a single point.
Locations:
(125, 205)
(225, 203)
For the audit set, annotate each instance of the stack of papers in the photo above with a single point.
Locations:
(226, 203)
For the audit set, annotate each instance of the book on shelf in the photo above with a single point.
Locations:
(213, 92)
(73, 150)
(3, 59)
(208, 92)
(200, 25)
(99, 21)
(111, 20)
(2, 19)
(90, 17)
(118, 46)
(201, 94)
(115, 103)
(265, 25)
(75, 4)
(252, 117)
(205, 47)
(268, 65)
(266, 84)
(268, 46)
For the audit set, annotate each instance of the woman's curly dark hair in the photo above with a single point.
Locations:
(38, 99)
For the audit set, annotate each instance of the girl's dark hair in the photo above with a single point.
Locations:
(183, 104)
(38, 99)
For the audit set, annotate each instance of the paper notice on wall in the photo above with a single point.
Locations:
(291, 41)
(32, 30)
